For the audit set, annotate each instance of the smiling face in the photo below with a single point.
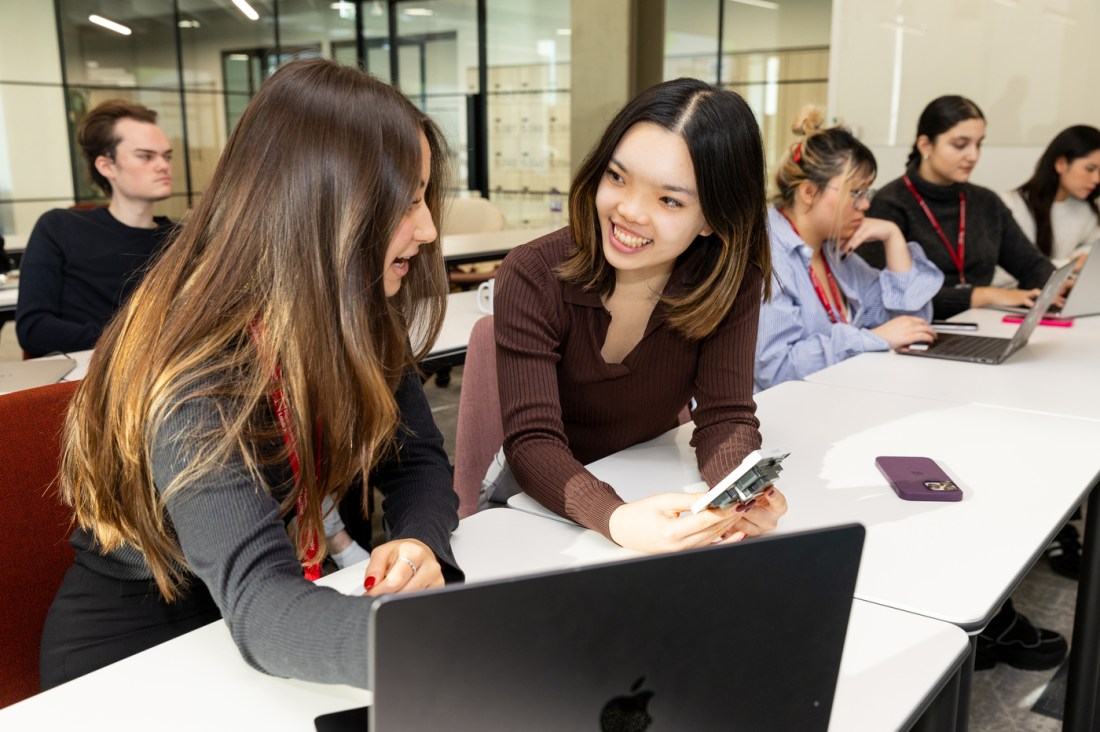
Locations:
(647, 202)
(416, 228)
(1079, 178)
(141, 167)
(951, 157)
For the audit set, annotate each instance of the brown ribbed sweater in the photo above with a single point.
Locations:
(563, 405)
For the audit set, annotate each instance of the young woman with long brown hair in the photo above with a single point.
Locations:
(607, 329)
(262, 367)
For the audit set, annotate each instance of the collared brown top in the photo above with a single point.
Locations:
(564, 406)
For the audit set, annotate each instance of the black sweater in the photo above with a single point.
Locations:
(79, 267)
(992, 238)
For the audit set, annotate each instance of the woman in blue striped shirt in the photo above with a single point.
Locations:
(827, 306)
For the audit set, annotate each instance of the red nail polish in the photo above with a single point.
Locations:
(368, 583)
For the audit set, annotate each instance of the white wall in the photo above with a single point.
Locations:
(1026, 63)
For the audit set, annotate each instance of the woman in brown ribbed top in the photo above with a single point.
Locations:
(606, 329)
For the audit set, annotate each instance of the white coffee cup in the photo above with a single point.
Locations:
(485, 296)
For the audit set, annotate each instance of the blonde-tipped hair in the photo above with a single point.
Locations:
(291, 235)
(723, 140)
(819, 155)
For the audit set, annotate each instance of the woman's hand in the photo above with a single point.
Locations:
(654, 524)
(762, 513)
(1003, 297)
(402, 565)
(893, 241)
(905, 330)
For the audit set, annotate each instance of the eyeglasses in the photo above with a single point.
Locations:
(864, 195)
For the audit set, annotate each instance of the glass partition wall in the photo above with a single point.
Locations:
(198, 62)
(774, 53)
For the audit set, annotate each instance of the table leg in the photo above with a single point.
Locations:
(942, 714)
(966, 680)
(1084, 657)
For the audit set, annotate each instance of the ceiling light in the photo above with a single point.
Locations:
(420, 12)
(238, 57)
(341, 6)
(188, 23)
(766, 4)
(110, 25)
(248, 10)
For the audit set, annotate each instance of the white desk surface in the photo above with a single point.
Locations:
(462, 313)
(1054, 373)
(950, 561)
(893, 662)
(461, 245)
(9, 296)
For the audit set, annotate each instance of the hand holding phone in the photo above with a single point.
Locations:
(918, 479)
(756, 473)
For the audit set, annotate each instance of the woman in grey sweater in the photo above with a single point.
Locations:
(262, 369)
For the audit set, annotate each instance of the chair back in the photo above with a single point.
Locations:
(34, 540)
(473, 216)
(479, 433)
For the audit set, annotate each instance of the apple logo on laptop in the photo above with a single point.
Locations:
(628, 713)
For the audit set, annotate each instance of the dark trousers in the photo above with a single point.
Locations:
(96, 620)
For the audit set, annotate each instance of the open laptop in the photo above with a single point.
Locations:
(17, 375)
(1083, 298)
(745, 636)
(986, 349)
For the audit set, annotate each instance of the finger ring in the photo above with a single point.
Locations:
(410, 563)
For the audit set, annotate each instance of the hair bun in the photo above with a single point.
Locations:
(808, 121)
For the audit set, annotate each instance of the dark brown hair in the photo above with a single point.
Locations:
(96, 135)
(1039, 191)
(292, 234)
(941, 114)
(723, 140)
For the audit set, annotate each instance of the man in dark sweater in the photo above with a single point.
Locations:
(79, 266)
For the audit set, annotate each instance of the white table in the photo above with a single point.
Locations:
(1055, 373)
(9, 296)
(454, 337)
(952, 561)
(893, 662)
(489, 245)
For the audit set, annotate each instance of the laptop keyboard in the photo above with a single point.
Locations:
(969, 346)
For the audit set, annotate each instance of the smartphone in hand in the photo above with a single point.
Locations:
(918, 479)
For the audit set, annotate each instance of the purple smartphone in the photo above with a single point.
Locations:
(918, 479)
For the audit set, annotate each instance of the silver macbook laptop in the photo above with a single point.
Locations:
(17, 375)
(746, 636)
(1083, 298)
(986, 349)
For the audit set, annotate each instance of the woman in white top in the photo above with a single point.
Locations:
(1056, 208)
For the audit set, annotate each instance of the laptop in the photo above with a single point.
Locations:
(986, 349)
(751, 632)
(1083, 298)
(18, 375)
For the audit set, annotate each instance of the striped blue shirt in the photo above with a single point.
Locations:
(796, 337)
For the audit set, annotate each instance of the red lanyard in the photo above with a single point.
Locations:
(955, 254)
(834, 316)
(311, 568)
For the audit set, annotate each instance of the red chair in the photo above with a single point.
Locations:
(34, 540)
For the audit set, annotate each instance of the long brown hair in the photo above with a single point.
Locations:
(291, 235)
(723, 140)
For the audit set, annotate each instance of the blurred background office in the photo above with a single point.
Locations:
(522, 86)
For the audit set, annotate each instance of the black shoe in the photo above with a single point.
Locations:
(1010, 638)
(1064, 552)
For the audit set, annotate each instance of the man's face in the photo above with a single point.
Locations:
(142, 166)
